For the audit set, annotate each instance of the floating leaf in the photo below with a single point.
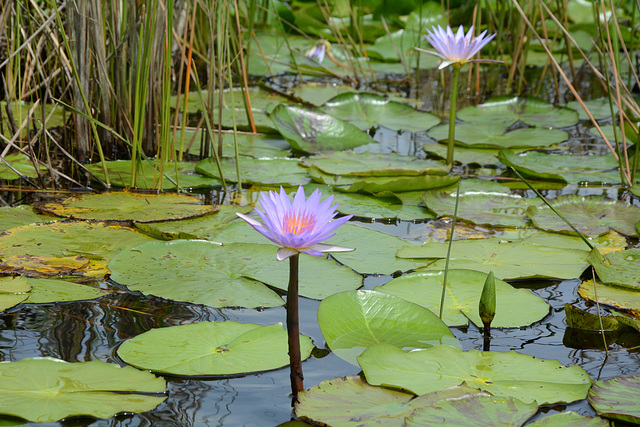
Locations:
(474, 411)
(378, 206)
(375, 252)
(367, 110)
(119, 172)
(617, 268)
(20, 163)
(20, 215)
(463, 294)
(286, 172)
(600, 108)
(13, 291)
(211, 348)
(193, 271)
(464, 155)
(581, 319)
(502, 210)
(77, 248)
(490, 135)
(623, 298)
(125, 206)
(506, 110)
(569, 419)
(510, 374)
(617, 398)
(311, 131)
(57, 290)
(43, 389)
(348, 163)
(508, 260)
(591, 215)
(352, 321)
(249, 144)
(567, 168)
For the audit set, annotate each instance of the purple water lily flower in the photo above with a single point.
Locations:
(300, 226)
(318, 51)
(456, 48)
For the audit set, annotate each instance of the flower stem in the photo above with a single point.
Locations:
(293, 329)
(452, 113)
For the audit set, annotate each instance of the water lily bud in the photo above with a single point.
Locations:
(487, 306)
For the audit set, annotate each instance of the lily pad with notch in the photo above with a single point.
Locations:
(279, 171)
(347, 163)
(211, 348)
(621, 268)
(464, 155)
(354, 320)
(495, 135)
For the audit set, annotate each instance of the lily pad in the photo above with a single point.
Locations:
(463, 295)
(20, 215)
(464, 155)
(620, 268)
(13, 291)
(347, 163)
(286, 172)
(581, 319)
(19, 162)
(474, 411)
(119, 172)
(510, 374)
(617, 398)
(600, 108)
(495, 135)
(622, 298)
(375, 252)
(65, 248)
(493, 209)
(44, 389)
(125, 206)
(191, 271)
(311, 131)
(351, 401)
(252, 145)
(569, 419)
(508, 260)
(506, 110)
(378, 206)
(57, 290)
(368, 110)
(591, 215)
(352, 321)
(211, 348)
(564, 167)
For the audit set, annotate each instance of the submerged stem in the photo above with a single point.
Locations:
(293, 329)
(452, 113)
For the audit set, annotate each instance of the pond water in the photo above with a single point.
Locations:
(83, 331)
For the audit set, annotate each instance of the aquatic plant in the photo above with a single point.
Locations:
(297, 227)
(455, 50)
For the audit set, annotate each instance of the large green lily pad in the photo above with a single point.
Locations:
(191, 271)
(509, 260)
(350, 401)
(13, 291)
(211, 348)
(19, 162)
(506, 110)
(352, 321)
(311, 131)
(367, 110)
(620, 268)
(125, 206)
(284, 171)
(493, 209)
(463, 295)
(44, 389)
(50, 290)
(464, 155)
(569, 419)
(20, 215)
(474, 411)
(510, 374)
(617, 398)
(591, 215)
(495, 135)
(119, 172)
(65, 248)
(348, 163)
(622, 298)
(375, 252)
(564, 167)
(600, 108)
(249, 144)
(378, 206)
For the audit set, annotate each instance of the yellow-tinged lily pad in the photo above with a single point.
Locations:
(622, 298)
(66, 248)
(125, 206)
(52, 290)
(20, 215)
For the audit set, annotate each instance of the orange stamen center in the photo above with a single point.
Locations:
(297, 223)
